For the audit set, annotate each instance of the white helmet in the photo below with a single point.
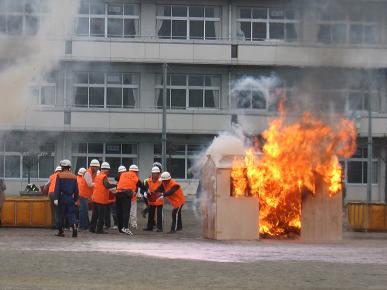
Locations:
(165, 176)
(133, 167)
(158, 164)
(105, 165)
(155, 170)
(65, 163)
(121, 169)
(94, 163)
(81, 171)
(59, 168)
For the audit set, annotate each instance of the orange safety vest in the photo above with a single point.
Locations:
(128, 181)
(177, 199)
(153, 196)
(83, 188)
(90, 189)
(51, 188)
(100, 192)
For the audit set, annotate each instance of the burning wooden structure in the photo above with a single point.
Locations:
(224, 216)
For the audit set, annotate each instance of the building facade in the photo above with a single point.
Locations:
(104, 98)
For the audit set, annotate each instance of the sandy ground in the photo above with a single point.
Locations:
(35, 259)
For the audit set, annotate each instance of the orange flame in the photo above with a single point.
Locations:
(296, 154)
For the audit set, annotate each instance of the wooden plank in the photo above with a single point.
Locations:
(321, 216)
(8, 213)
(23, 213)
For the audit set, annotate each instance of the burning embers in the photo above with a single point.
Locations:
(297, 155)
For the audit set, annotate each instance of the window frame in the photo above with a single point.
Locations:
(187, 87)
(105, 86)
(188, 19)
(106, 16)
(269, 22)
(364, 166)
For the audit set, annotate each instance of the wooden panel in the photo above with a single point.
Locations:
(23, 213)
(363, 216)
(208, 204)
(377, 216)
(38, 213)
(8, 213)
(321, 216)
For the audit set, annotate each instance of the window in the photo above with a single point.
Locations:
(105, 90)
(188, 22)
(189, 91)
(261, 24)
(22, 17)
(251, 95)
(12, 166)
(357, 170)
(180, 159)
(355, 25)
(115, 153)
(98, 19)
(44, 91)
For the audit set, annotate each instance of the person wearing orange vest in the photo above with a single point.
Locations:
(173, 192)
(154, 201)
(100, 198)
(84, 197)
(51, 189)
(128, 184)
(90, 175)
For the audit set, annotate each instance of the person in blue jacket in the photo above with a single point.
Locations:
(66, 195)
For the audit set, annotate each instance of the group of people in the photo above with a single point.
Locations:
(71, 195)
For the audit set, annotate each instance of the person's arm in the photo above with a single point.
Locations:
(160, 189)
(107, 184)
(172, 190)
(142, 187)
(88, 179)
(76, 191)
(57, 188)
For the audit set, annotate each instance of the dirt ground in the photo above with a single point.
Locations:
(36, 259)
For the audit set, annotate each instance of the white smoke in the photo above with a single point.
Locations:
(29, 58)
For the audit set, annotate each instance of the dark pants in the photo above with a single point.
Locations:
(177, 224)
(97, 217)
(151, 217)
(54, 212)
(110, 210)
(83, 213)
(66, 209)
(123, 204)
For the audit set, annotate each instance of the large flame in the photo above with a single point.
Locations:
(296, 154)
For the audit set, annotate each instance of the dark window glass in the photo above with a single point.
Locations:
(211, 28)
(79, 147)
(129, 149)
(259, 31)
(114, 79)
(179, 11)
(164, 11)
(258, 100)
(324, 34)
(81, 96)
(196, 81)
(97, 7)
(115, 27)
(210, 99)
(114, 162)
(79, 162)
(81, 78)
(354, 172)
(178, 80)
(33, 170)
(210, 12)
(177, 168)
(84, 7)
(12, 166)
(291, 31)
(114, 97)
(178, 98)
(245, 13)
(96, 98)
(97, 78)
(1, 166)
(95, 148)
(277, 31)
(246, 30)
(339, 33)
(113, 148)
(244, 99)
(32, 25)
(115, 9)
(165, 28)
(97, 26)
(371, 34)
(260, 13)
(130, 10)
(196, 29)
(277, 14)
(196, 11)
(129, 99)
(356, 33)
(179, 29)
(3, 25)
(196, 98)
(130, 27)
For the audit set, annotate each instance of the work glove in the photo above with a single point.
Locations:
(145, 195)
(56, 202)
(161, 197)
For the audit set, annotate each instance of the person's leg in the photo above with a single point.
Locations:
(179, 226)
(94, 218)
(126, 208)
(151, 216)
(119, 211)
(71, 215)
(174, 220)
(83, 213)
(62, 217)
(107, 220)
(113, 210)
(133, 215)
(159, 217)
(101, 219)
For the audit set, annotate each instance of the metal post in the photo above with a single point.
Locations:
(369, 147)
(164, 128)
